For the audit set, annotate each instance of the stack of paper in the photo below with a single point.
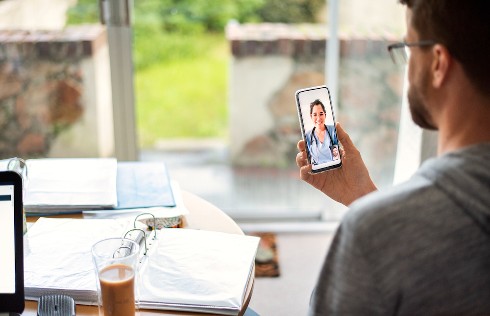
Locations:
(58, 259)
(70, 184)
(184, 269)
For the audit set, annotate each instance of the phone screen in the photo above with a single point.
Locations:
(317, 122)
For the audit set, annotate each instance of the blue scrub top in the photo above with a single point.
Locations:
(321, 152)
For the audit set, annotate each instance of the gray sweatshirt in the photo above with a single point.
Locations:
(419, 248)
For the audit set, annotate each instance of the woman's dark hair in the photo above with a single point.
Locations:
(463, 27)
(317, 102)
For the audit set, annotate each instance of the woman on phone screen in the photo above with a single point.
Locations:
(322, 137)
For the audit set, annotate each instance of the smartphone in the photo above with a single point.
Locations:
(317, 121)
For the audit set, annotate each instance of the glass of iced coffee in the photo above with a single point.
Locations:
(116, 262)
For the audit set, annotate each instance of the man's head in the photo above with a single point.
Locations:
(460, 32)
(463, 27)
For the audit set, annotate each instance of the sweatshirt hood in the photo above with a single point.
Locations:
(464, 176)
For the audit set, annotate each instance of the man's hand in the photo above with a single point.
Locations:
(345, 184)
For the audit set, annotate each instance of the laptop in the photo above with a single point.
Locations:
(12, 298)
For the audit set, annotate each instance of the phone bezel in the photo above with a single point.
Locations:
(322, 167)
(15, 302)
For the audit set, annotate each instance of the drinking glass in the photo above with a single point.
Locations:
(116, 262)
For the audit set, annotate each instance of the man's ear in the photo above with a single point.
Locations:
(440, 64)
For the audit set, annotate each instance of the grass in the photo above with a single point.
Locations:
(183, 96)
(180, 77)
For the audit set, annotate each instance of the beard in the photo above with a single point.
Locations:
(418, 108)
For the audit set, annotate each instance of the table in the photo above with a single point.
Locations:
(202, 215)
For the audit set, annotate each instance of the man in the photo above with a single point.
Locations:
(423, 247)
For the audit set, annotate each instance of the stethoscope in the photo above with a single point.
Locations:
(312, 137)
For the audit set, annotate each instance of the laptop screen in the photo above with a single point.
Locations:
(11, 243)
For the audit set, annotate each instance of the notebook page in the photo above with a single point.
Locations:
(198, 268)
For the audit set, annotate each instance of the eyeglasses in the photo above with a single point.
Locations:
(400, 52)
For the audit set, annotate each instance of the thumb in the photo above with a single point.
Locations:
(344, 138)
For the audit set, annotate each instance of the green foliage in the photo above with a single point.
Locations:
(290, 11)
(248, 10)
(153, 46)
(85, 11)
(165, 30)
(197, 16)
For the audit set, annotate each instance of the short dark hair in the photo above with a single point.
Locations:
(317, 102)
(463, 27)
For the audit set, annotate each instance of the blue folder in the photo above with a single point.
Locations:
(143, 184)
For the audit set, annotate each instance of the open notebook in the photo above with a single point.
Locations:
(184, 269)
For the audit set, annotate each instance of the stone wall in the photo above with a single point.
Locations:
(271, 61)
(55, 98)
